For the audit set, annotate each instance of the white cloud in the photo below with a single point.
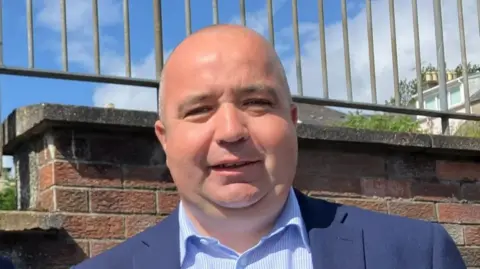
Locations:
(144, 98)
(311, 65)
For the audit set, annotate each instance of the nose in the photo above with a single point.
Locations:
(230, 126)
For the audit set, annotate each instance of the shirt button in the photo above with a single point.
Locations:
(204, 241)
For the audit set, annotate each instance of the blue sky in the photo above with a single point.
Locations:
(21, 91)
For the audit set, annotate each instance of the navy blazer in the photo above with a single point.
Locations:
(341, 237)
(6, 263)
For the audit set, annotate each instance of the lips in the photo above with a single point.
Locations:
(233, 165)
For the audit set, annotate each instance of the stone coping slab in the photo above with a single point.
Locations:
(19, 221)
(27, 121)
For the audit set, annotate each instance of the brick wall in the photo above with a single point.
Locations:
(108, 184)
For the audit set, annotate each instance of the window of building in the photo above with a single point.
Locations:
(431, 103)
(454, 96)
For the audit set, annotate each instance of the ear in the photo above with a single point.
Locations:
(160, 133)
(294, 113)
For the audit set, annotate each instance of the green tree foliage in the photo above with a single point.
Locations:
(8, 197)
(382, 122)
(407, 91)
(469, 129)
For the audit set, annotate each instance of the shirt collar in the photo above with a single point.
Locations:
(290, 216)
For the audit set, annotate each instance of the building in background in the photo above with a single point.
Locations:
(455, 100)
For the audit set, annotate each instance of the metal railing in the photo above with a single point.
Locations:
(127, 79)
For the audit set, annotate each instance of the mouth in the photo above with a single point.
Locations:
(233, 166)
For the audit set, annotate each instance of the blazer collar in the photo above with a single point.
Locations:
(161, 245)
(334, 244)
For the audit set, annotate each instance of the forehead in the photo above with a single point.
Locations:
(220, 69)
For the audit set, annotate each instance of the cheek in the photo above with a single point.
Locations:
(277, 138)
(188, 145)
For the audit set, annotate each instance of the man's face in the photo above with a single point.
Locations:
(228, 129)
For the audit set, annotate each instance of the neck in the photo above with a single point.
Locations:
(238, 229)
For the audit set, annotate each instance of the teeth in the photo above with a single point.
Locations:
(232, 165)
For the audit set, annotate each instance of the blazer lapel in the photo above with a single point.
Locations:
(161, 246)
(337, 247)
(334, 245)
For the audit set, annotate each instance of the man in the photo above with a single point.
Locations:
(6, 263)
(227, 125)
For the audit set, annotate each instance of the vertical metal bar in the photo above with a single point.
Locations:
(323, 48)
(96, 36)
(1, 34)
(158, 33)
(463, 51)
(1, 95)
(371, 52)
(296, 37)
(478, 14)
(126, 38)
(271, 30)
(188, 18)
(441, 66)
(31, 56)
(215, 11)
(1, 64)
(243, 18)
(346, 50)
(393, 35)
(418, 61)
(63, 14)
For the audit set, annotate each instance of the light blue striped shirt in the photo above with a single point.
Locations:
(287, 245)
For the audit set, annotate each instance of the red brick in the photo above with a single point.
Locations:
(386, 188)
(45, 177)
(71, 200)
(96, 227)
(146, 177)
(425, 211)
(458, 170)
(428, 191)
(87, 175)
(330, 186)
(136, 224)
(470, 191)
(44, 156)
(456, 232)
(471, 255)
(167, 201)
(458, 213)
(45, 201)
(100, 246)
(375, 205)
(119, 201)
(313, 163)
(472, 235)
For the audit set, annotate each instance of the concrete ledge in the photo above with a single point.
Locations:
(27, 121)
(18, 221)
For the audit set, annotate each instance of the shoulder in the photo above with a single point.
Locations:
(124, 254)
(6, 263)
(381, 225)
(118, 257)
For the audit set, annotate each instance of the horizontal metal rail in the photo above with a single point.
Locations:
(96, 75)
(52, 74)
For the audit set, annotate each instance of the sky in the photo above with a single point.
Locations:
(22, 91)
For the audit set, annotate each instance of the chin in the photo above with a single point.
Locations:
(237, 198)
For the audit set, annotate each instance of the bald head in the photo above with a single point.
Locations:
(224, 43)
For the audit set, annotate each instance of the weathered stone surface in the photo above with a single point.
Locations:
(20, 221)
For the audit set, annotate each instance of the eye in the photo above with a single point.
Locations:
(198, 110)
(258, 102)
